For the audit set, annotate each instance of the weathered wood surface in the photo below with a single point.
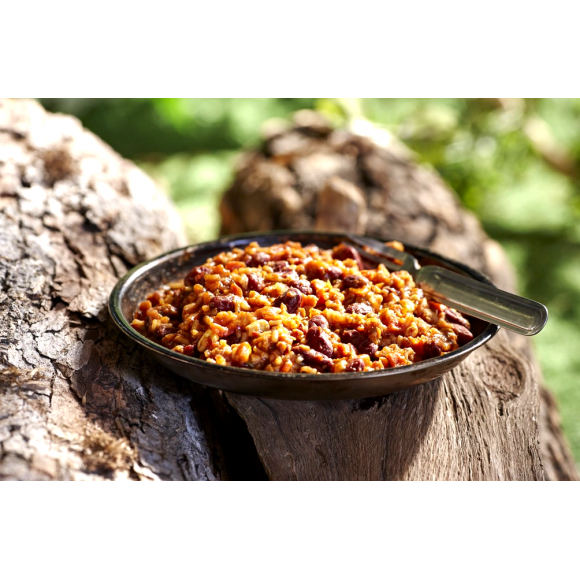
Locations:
(78, 401)
(479, 422)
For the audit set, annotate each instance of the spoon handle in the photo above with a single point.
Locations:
(483, 301)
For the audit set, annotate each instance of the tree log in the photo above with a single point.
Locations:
(78, 400)
(479, 422)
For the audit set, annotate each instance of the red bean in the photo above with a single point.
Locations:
(281, 266)
(292, 298)
(315, 359)
(464, 335)
(197, 275)
(163, 330)
(360, 341)
(333, 273)
(353, 281)
(355, 365)
(189, 350)
(431, 350)
(346, 252)
(259, 259)
(359, 308)
(454, 317)
(303, 285)
(223, 303)
(319, 341)
(317, 271)
(318, 320)
(255, 282)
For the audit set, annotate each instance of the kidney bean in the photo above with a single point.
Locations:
(353, 281)
(258, 259)
(302, 285)
(356, 365)
(231, 338)
(346, 252)
(281, 266)
(464, 335)
(292, 298)
(360, 341)
(315, 359)
(189, 350)
(316, 271)
(255, 282)
(223, 303)
(197, 275)
(455, 317)
(333, 273)
(431, 350)
(163, 330)
(319, 341)
(359, 308)
(318, 320)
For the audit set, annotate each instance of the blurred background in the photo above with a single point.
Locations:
(513, 162)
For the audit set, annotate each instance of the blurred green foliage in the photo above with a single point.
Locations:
(514, 162)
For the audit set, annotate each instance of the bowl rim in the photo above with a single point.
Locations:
(222, 243)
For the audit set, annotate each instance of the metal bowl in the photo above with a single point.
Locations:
(150, 276)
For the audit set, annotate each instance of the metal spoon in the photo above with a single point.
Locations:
(465, 294)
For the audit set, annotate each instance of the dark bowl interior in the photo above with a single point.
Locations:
(149, 276)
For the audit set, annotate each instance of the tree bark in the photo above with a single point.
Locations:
(78, 400)
(482, 421)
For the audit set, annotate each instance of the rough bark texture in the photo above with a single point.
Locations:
(78, 401)
(558, 463)
(479, 421)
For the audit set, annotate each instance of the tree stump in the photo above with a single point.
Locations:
(482, 421)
